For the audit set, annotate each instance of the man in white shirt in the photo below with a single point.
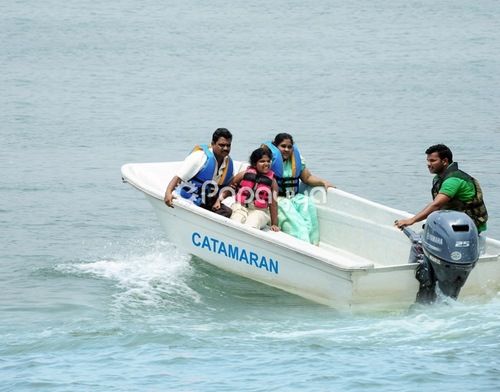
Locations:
(203, 173)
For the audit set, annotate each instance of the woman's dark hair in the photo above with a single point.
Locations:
(282, 136)
(258, 154)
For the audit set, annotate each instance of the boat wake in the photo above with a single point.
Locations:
(438, 328)
(153, 275)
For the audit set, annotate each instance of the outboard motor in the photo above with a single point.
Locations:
(450, 251)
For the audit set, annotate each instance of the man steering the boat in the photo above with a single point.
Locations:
(204, 172)
(452, 189)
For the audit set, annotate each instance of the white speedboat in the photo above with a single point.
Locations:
(362, 259)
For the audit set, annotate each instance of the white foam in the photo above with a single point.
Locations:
(152, 275)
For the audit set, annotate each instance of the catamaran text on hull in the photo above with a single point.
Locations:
(234, 252)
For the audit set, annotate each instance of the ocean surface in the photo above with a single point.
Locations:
(93, 296)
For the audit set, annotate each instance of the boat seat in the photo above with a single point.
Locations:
(350, 260)
(327, 253)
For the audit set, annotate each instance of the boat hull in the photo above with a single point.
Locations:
(361, 262)
(295, 273)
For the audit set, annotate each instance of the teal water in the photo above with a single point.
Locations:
(95, 298)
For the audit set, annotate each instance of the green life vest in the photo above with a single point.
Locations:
(475, 208)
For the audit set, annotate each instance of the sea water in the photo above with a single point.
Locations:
(94, 297)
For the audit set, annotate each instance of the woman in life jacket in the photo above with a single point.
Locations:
(256, 192)
(297, 214)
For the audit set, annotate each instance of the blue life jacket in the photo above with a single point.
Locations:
(194, 189)
(286, 184)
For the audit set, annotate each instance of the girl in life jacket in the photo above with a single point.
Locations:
(256, 193)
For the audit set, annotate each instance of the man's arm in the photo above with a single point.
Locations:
(440, 200)
(188, 169)
(169, 196)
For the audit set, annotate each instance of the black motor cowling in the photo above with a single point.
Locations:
(450, 251)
